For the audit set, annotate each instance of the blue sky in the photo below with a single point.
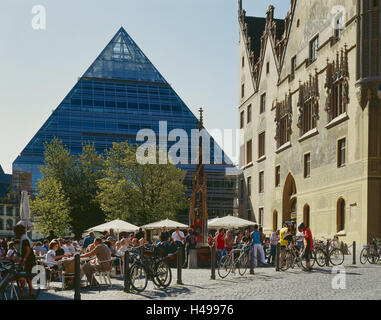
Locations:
(193, 43)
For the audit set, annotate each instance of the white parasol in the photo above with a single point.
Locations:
(117, 225)
(25, 212)
(169, 224)
(229, 222)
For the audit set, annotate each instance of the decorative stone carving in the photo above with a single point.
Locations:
(309, 91)
(337, 71)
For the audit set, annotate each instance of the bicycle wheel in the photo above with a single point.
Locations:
(312, 258)
(364, 256)
(163, 274)
(286, 262)
(225, 266)
(139, 278)
(372, 256)
(320, 257)
(243, 264)
(336, 256)
(378, 254)
(303, 261)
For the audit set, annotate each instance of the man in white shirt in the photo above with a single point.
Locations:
(178, 237)
(71, 248)
(66, 247)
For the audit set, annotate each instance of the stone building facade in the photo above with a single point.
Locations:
(309, 110)
(8, 206)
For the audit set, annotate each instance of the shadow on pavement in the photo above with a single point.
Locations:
(161, 293)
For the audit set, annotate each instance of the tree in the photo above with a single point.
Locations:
(139, 193)
(77, 179)
(51, 208)
(83, 188)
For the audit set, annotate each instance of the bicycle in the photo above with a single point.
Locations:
(145, 268)
(293, 256)
(371, 252)
(229, 263)
(335, 255)
(10, 281)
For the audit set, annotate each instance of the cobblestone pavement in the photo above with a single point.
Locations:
(361, 281)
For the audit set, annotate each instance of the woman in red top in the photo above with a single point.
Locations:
(220, 244)
(308, 244)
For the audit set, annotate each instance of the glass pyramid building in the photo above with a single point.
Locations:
(121, 93)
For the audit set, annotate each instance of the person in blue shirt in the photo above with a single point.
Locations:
(46, 245)
(257, 246)
(89, 240)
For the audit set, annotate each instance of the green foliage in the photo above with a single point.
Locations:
(77, 177)
(139, 193)
(51, 208)
(78, 192)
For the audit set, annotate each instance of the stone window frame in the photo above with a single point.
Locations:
(242, 120)
(337, 74)
(283, 114)
(307, 165)
(313, 49)
(261, 182)
(249, 151)
(340, 214)
(277, 176)
(261, 144)
(341, 159)
(308, 98)
(262, 104)
(261, 215)
(249, 113)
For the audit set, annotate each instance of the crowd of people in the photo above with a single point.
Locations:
(264, 249)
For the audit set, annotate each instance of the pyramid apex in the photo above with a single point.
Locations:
(122, 59)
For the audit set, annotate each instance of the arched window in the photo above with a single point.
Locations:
(340, 215)
(9, 225)
(306, 215)
(275, 221)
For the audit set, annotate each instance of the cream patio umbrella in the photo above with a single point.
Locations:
(25, 212)
(169, 224)
(117, 225)
(229, 222)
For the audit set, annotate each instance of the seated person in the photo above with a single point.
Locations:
(143, 241)
(51, 255)
(39, 249)
(124, 244)
(66, 247)
(108, 243)
(165, 240)
(135, 242)
(178, 237)
(102, 262)
(60, 252)
(12, 250)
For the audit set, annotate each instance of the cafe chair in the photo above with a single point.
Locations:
(105, 275)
